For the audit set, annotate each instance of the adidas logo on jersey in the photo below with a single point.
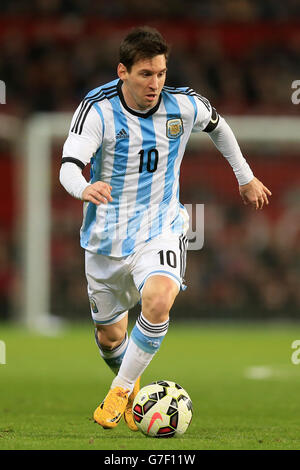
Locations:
(122, 134)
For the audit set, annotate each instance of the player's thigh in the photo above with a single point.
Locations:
(158, 271)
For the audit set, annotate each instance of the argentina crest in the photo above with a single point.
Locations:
(174, 128)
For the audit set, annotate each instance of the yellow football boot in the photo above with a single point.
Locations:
(111, 410)
(128, 415)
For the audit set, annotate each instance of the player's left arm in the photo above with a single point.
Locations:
(255, 193)
(252, 190)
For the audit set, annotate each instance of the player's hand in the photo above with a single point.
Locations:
(255, 193)
(97, 193)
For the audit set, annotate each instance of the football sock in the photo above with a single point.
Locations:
(113, 357)
(144, 342)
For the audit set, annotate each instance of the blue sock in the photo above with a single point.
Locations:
(148, 336)
(144, 342)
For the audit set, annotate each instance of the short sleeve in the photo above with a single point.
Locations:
(85, 135)
(207, 117)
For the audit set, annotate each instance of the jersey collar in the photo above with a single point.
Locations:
(132, 111)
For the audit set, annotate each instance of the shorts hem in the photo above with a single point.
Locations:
(164, 273)
(113, 320)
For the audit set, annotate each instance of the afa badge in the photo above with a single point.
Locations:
(93, 305)
(174, 128)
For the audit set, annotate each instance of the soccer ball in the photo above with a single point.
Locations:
(162, 409)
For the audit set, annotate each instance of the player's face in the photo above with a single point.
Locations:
(143, 84)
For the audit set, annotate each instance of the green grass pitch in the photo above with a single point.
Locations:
(243, 384)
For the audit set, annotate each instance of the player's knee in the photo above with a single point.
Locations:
(156, 304)
(157, 309)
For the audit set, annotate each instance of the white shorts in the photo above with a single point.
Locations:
(115, 284)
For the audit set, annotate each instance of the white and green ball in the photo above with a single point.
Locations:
(162, 409)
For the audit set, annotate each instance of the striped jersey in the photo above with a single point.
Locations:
(139, 154)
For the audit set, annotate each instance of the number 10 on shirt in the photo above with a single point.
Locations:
(151, 159)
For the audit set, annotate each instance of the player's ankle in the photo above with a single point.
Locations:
(124, 384)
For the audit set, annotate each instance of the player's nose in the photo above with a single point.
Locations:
(154, 82)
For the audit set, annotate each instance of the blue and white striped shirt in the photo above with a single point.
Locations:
(139, 155)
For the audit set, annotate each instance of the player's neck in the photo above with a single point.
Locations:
(131, 104)
(138, 110)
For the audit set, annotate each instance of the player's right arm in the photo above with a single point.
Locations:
(97, 192)
(84, 139)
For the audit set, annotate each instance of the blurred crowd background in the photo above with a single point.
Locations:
(243, 56)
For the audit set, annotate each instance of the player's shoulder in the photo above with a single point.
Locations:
(186, 91)
(102, 92)
(173, 90)
(88, 112)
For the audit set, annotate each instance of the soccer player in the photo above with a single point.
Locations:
(133, 131)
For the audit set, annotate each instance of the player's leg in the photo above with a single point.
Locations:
(112, 341)
(160, 292)
(158, 296)
(111, 294)
(158, 272)
(159, 286)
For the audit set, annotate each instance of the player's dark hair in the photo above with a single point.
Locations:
(142, 43)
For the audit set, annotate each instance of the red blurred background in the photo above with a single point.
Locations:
(243, 56)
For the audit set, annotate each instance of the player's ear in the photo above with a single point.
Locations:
(122, 71)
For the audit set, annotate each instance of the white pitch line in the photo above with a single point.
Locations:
(265, 372)
(258, 372)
